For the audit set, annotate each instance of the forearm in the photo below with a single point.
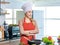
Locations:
(27, 33)
(33, 32)
(24, 32)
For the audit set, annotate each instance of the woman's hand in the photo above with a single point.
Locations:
(27, 33)
(33, 32)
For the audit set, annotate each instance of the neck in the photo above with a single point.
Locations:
(27, 20)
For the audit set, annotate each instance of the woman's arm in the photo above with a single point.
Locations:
(36, 29)
(20, 23)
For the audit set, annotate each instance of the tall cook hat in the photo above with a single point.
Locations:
(27, 7)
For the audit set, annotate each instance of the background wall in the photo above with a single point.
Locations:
(18, 3)
(2, 18)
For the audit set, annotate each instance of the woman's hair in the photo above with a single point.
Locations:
(31, 19)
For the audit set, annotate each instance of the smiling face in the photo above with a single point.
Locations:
(28, 14)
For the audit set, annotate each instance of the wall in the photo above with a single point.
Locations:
(18, 3)
(2, 18)
(40, 22)
(19, 15)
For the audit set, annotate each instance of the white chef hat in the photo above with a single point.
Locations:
(27, 7)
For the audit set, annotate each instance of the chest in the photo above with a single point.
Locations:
(28, 26)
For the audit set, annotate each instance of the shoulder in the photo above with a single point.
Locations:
(34, 21)
(20, 20)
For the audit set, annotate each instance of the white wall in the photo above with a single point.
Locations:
(2, 18)
(18, 3)
(52, 21)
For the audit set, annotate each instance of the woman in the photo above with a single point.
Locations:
(28, 26)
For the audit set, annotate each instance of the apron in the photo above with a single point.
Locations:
(27, 27)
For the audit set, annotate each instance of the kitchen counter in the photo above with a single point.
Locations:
(10, 42)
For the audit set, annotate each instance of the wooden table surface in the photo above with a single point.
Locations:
(10, 42)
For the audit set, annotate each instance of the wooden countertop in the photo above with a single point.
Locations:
(10, 42)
